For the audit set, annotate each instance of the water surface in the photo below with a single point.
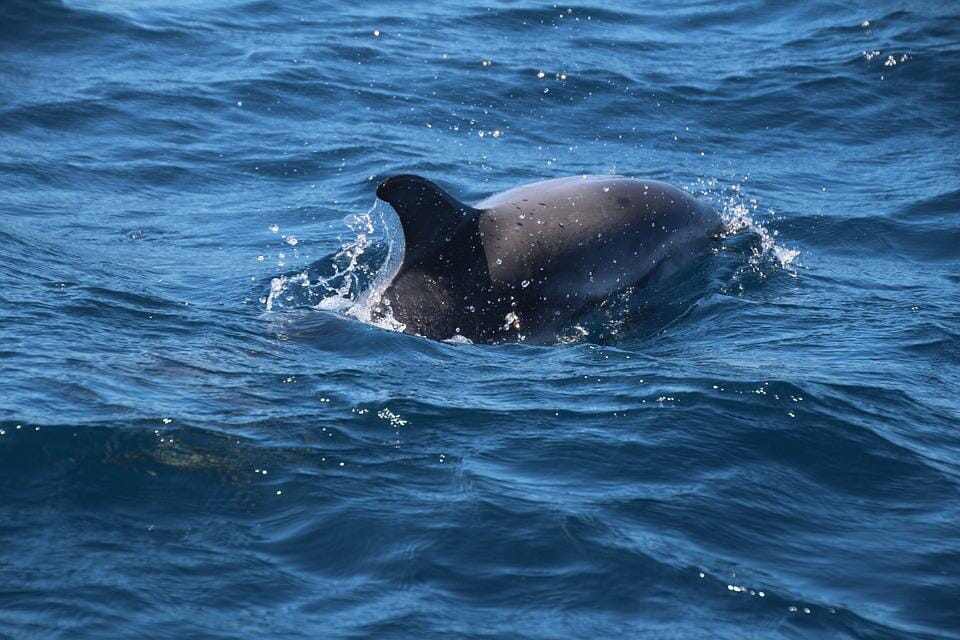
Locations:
(771, 450)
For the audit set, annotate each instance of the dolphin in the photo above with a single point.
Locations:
(518, 264)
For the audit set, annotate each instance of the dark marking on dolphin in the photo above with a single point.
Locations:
(503, 270)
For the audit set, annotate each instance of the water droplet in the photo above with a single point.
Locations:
(376, 33)
(274, 228)
(525, 284)
(540, 74)
(499, 261)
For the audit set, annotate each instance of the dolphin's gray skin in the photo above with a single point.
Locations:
(520, 263)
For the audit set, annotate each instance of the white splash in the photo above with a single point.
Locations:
(737, 212)
(737, 217)
(371, 307)
(341, 291)
(343, 295)
(280, 289)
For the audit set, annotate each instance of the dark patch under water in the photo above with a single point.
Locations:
(770, 450)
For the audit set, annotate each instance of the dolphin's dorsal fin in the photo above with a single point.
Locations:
(430, 216)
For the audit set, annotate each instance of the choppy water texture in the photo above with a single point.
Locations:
(769, 448)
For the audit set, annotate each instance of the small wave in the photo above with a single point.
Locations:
(54, 25)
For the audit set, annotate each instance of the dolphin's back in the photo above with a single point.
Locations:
(528, 258)
(587, 236)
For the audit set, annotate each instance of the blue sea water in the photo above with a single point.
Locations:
(200, 438)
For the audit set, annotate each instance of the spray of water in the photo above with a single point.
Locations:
(740, 213)
(355, 287)
(370, 306)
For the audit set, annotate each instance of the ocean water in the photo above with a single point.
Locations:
(201, 437)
